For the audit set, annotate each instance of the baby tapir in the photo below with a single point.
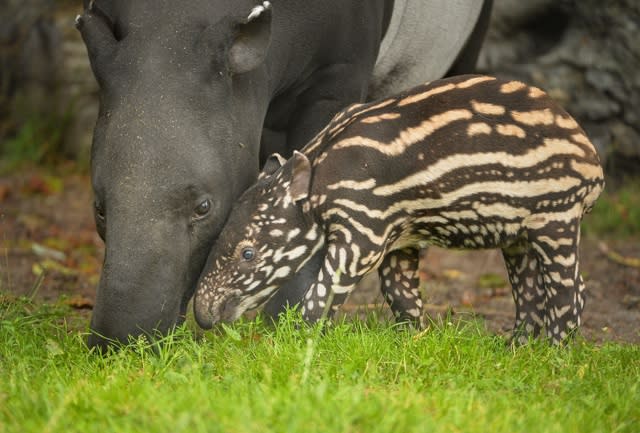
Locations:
(466, 162)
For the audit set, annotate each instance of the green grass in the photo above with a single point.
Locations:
(616, 214)
(356, 377)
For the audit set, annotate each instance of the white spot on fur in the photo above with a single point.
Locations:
(312, 234)
(425, 95)
(512, 86)
(258, 10)
(566, 122)
(282, 272)
(292, 234)
(473, 81)
(352, 184)
(534, 117)
(380, 118)
(510, 130)
(487, 108)
(534, 92)
(477, 128)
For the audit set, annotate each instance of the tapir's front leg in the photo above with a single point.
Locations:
(400, 282)
(296, 117)
(335, 281)
(333, 88)
(293, 291)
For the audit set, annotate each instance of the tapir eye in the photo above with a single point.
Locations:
(248, 254)
(202, 209)
(99, 211)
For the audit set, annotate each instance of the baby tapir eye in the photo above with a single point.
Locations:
(248, 254)
(202, 209)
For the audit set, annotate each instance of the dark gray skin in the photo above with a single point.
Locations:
(192, 94)
(165, 165)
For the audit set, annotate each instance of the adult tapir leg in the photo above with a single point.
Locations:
(296, 117)
(427, 40)
(334, 88)
(465, 63)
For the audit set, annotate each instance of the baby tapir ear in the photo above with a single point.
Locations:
(252, 39)
(273, 163)
(300, 176)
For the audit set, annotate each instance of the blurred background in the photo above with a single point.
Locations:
(584, 53)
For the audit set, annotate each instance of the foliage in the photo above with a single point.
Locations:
(617, 211)
(351, 377)
(38, 140)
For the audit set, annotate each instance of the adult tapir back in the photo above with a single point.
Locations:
(192, 93)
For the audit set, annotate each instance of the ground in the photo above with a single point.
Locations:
(49, 250)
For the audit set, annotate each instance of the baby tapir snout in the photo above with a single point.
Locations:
(467, 162)
(214, 300)
(272, 239)
(209, 311)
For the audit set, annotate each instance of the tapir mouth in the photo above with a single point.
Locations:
(213, 310)
(228, 311)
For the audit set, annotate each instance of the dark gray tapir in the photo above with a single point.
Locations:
(194, 94)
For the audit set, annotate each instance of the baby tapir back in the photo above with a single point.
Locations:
(462, 155)
(465, 162)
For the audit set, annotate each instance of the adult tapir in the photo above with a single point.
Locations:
(194, 94)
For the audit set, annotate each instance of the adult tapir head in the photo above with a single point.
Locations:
(166, 166)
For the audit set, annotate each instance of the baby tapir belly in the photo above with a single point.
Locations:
(466, 162)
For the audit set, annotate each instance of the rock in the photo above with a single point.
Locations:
(601, 137)
(593, 105)
(80, 92)
(45, 77)
(625, 139)
(29, 59)
(608, 83)
(586, 54)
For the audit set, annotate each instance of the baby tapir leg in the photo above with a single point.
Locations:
(335, 281)
(399, 282)
(556, 245)
(525, 275)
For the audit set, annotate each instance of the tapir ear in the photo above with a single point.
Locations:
(252, 39)
(300, 176)
(273, 163)
(97, 31)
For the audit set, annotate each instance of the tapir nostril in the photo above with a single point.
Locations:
(204, 318)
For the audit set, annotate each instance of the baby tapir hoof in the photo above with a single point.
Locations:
(466, 162)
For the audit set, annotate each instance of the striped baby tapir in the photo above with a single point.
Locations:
(467, 162)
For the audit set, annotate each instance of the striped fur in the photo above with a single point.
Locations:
(466, 162)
